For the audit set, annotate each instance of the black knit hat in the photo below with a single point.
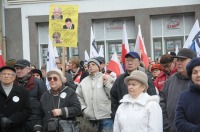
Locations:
(37, 71)
(193, 63)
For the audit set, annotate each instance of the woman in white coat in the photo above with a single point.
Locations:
(139, 112)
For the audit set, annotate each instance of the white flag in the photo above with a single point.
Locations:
(93, 46)
(55, 51)
(193, 32)
(176, 50)
(51, 63)
(101, 53)
(86, 56)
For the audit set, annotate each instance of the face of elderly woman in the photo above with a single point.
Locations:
(55, 82)
(196, 75)
(135, 88)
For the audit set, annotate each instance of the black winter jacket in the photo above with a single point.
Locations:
(69, 105)
(15, 107)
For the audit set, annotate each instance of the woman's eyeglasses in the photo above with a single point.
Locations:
(54, 78)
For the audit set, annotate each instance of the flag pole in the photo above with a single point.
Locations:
(63, 59)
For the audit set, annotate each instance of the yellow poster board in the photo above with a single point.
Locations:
(63, 25)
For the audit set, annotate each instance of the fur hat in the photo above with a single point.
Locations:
(139, 76)
(95, 61)
(58, 72)
(193, 63)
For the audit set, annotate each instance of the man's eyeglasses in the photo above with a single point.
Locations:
(54, 79)
(7, 74)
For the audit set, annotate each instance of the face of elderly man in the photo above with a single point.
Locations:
(57, 13)
(7, 76)
(131, 63)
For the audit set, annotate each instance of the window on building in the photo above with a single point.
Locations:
(169, 31)
(109, 33)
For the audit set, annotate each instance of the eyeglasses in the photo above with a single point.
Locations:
(54, 79)
(8, 74)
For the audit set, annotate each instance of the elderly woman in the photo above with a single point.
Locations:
(139, 111)
(59, 104)
(187, 115)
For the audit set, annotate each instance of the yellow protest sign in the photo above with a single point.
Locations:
(63, 25)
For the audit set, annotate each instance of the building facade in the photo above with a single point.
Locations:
(164, 24)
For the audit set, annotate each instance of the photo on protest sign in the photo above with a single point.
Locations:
(63, 25)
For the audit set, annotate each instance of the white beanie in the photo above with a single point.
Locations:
(139, 76)
(56, 71)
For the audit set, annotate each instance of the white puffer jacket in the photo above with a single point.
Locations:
(143, 114)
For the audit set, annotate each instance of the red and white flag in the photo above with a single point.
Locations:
(114, 65)
(140, 48)
(125, 46)
(2, 62)
(93, 46)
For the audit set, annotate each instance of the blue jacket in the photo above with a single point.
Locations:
(187, 116)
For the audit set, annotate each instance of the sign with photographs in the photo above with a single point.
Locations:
(63, 25)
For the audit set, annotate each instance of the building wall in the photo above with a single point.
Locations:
(23, 35)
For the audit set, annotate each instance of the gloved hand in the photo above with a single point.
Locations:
(5, 123)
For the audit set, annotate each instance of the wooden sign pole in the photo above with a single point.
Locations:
(63, 59)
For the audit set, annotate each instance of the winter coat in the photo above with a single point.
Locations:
(15, 107)
(162, 77)
(70, 81)
(142, 114)
(187, 116)
(79, 76)
(120, 89)
(67, 101)
(35, 88)
(95, 96)
(169, 95)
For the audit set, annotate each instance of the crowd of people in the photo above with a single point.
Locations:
(161, 98)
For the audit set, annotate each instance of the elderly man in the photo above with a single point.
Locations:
(119, 89)
(14, 102)
(34, 86)
(57, 14)
(172, 88)
(94, 95)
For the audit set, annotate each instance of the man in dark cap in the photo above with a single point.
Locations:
(119, 89)
(14, 102)
(172, 88)
(34, 86)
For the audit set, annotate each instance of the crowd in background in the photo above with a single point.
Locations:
(163, 97)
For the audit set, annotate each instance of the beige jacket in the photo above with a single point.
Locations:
(94, 96)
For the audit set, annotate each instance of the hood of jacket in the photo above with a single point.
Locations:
(142, 99)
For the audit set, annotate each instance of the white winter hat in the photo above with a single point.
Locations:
(139, 76)
(56, 71)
